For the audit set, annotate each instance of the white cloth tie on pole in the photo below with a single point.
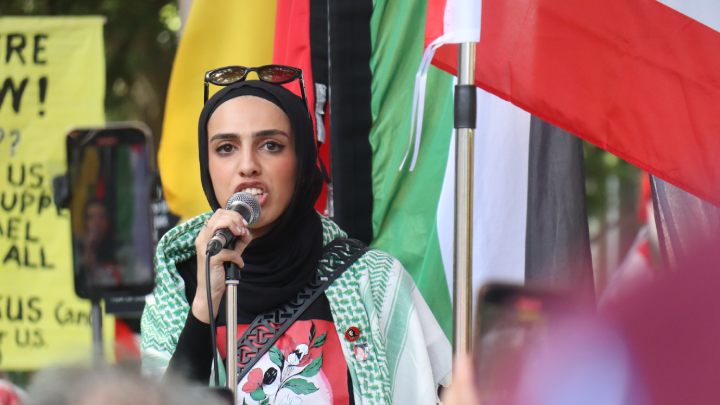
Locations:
(419, 100)
(461, 23)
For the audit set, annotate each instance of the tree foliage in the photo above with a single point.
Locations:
(599, 165)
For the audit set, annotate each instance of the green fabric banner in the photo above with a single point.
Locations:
(405, 203)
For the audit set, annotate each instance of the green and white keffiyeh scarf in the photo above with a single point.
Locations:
(409, 354)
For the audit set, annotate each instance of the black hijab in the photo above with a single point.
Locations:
(280, 263)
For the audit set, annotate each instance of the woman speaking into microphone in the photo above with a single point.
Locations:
(347, 324)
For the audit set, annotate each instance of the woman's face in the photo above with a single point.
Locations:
(251, 148)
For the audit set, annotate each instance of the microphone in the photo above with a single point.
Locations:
(246, 205)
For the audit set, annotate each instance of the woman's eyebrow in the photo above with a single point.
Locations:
(269, 132)
(224, 136)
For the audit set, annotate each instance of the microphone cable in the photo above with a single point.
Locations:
(213, 336)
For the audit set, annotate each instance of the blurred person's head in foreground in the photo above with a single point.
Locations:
(111, 386)
(11, 395)
(658, 346)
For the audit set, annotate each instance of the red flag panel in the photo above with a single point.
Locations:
(292, 48)
(634, 77)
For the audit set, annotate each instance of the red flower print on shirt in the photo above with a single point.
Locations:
(296, 366)
(254, 381)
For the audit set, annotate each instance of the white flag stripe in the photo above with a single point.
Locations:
(703, 11)
(461, 21)
(502, 141)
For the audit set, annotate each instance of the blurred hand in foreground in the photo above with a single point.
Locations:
(462, 390)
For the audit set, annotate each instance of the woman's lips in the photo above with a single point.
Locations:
(258, 193)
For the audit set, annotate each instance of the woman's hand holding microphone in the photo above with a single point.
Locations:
(238, 226)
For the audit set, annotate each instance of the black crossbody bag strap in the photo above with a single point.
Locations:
(267, 328)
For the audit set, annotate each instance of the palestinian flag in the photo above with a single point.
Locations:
(638, 78)
(529, 198)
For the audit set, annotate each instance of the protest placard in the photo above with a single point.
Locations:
(52, 78)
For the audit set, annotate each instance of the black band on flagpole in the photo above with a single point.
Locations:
(465, 106)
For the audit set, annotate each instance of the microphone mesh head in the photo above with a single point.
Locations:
(249, 201)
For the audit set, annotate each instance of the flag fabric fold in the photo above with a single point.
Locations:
(687, 226)
(351, 91)
(557, 239)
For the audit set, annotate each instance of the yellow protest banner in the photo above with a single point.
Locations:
(52, 73)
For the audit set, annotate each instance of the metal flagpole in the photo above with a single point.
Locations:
(465, 112)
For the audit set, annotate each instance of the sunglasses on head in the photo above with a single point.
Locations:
(276, 74)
